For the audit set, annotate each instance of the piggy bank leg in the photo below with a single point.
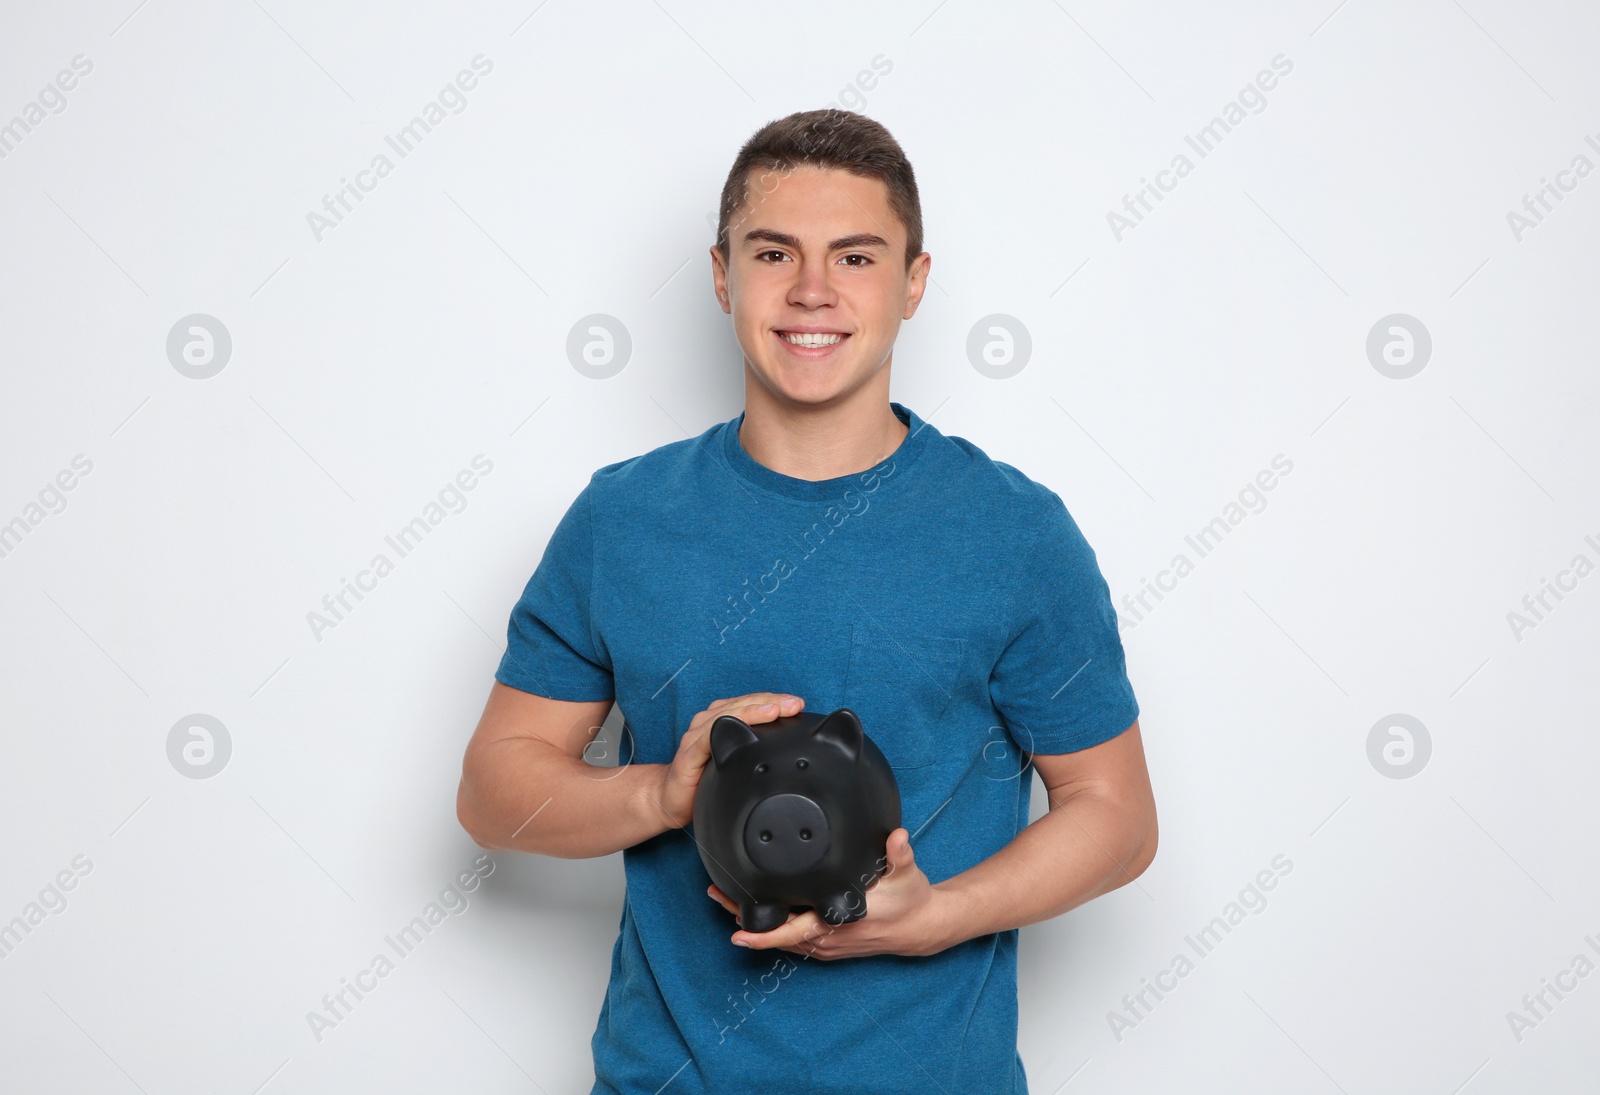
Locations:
(842, 908)
(758, 916)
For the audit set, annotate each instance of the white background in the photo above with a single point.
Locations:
(369, 367)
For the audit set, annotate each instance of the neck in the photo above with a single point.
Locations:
(820, 441)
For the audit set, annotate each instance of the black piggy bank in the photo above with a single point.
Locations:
(795, 813)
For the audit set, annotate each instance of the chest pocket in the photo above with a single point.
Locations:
(901, 686)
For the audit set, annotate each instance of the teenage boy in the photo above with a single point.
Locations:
(827, 548)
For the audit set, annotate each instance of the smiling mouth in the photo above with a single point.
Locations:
(811, 340)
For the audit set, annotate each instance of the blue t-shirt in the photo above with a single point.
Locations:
(946, 598)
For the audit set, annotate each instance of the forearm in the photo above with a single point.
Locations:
(1086, 845)
(528, 796)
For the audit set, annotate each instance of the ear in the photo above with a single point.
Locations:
(843, 729)
(729, 733)
(719, 280)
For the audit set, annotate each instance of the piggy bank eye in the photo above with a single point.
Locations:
(762, 767)
(801, 763)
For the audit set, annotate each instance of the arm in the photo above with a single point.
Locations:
(1099, 834)
(526, 787)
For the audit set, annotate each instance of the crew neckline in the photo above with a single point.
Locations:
(814, 490)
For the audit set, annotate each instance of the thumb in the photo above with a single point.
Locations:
(899, 850)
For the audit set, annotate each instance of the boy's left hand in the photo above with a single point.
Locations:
(906, 915)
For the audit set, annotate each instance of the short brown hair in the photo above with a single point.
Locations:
(830, 138)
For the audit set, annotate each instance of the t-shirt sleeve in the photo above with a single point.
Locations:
(1061, 682)
(551, 646)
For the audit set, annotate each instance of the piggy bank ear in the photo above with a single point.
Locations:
(728, 733)
(843, 729)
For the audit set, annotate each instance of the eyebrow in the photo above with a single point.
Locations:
(860, 239)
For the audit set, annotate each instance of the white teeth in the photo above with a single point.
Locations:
(811, 339)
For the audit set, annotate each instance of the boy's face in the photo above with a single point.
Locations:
(817, 251)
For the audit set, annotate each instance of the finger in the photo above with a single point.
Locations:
(898, 852)
(723, 899)
(760, 701)
(763, 710)
(755, 713)
(801, 928)
(810, 950)
(752, 707)
(762, 697)
(815, 944)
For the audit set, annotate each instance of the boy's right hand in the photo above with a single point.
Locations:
(675, 794)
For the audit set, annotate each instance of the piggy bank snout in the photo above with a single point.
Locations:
(786, 834)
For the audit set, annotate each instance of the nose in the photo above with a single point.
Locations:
(786, 834)
(812, 286)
